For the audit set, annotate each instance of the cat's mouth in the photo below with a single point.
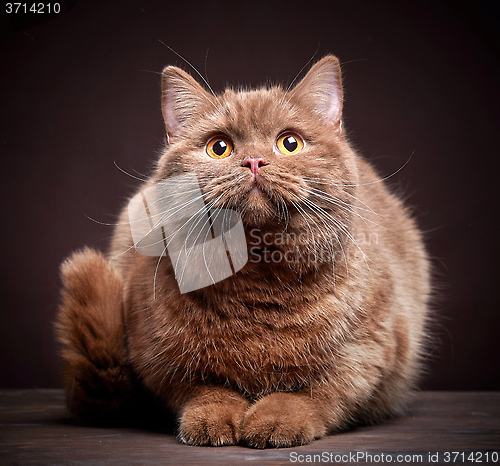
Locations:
(264, 199)
(260, 198)
(258, 188)
(256, 185)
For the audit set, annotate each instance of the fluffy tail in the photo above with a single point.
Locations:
(100, 386)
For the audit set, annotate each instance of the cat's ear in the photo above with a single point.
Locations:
(321, 90)
(181, 98)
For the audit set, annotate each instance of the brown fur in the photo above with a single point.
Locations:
(282, 352)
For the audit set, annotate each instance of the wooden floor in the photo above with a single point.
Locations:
(35, 429)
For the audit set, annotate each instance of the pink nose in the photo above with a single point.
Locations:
(254, 164)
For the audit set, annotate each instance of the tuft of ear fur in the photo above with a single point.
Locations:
(182, 97)
(321, 89)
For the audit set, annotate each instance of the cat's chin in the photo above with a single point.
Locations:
(258, 218)
(258, 209)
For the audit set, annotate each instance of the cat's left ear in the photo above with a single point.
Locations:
(321, 90)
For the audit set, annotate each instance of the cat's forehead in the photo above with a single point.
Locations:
(261, 110)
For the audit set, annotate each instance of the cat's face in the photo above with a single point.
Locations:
(276, 157)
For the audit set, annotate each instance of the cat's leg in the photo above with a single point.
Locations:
(98, 380)
(212, 416)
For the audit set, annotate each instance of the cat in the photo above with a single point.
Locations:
(322, 329)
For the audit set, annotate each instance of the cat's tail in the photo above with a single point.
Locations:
(99, 382)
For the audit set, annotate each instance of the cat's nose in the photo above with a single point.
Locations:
(254, 164)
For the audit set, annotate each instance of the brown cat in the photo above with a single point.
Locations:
(321, 329)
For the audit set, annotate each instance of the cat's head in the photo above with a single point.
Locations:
(276, 156)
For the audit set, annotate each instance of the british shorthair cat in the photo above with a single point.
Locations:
(322, 324)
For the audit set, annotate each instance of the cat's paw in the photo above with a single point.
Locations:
(281, 420)
(213, 424)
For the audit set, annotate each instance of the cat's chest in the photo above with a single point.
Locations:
(258, 361)
(254, 357)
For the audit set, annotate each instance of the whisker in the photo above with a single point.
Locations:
(325, 181)
(207, 222)
(194, 222)
(357, 199)
(341, 227)
(315, 208)
(328, 197)
(129, 174)
(327, 241)
(345, 206)
(105, 223)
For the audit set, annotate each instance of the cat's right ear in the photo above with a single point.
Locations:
(321, 90)
(182, 98)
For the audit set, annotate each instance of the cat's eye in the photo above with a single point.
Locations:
(219, 147)
(290, 143)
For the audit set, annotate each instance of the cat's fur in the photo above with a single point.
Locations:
(282, 352)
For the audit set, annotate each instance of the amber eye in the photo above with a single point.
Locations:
(290, 143)
(219, 147)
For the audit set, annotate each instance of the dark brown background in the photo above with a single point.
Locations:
(80, 93)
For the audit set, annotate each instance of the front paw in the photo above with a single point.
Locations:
(213, 424)
(281, 420)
